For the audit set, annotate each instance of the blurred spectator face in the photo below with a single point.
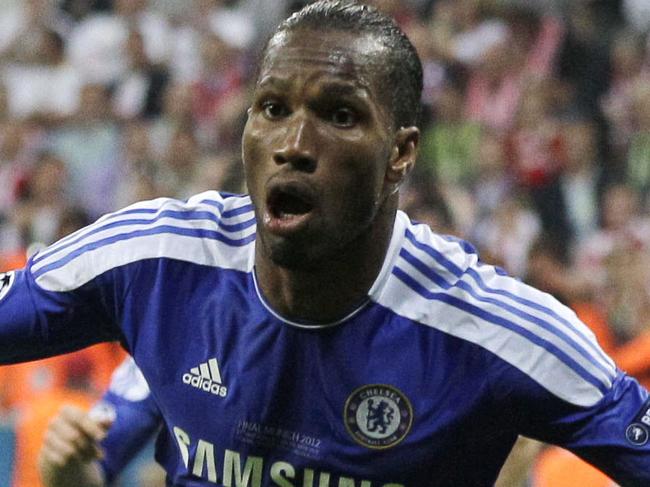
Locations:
(49, 179)
(4, 103)
(135, 50)
(136, 141)
(39, 10)
(627, 55)
(444, 12)
(78, 9)
(449, 105)
(11, 141)
(183, 151)
(215, 53)
(533, 109)
(495, 62)
(642, 106)
(620, 206)
(71, 220)
(490, 153)
(52, 48)
(583, 21)
(545, 270)
(214, 173)
(468, 12)
(129, 7)
(177, 101)
(420, 36)
(94, 103)
(580, 144)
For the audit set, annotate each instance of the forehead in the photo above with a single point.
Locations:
(309, 55)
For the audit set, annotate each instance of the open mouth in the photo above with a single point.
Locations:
(289, 201)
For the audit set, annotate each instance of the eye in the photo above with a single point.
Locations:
(344, 117)
(274, 110)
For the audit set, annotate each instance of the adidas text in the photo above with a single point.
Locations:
(205, 384)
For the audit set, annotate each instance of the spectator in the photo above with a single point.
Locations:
(623, 226)
(505, 236)
(176, 113)
(180, 166)
(451, 144)
(222, 78)
(140, 172)
(627, 53)
(38, 215)
(31, 86)
(584, 60)
(581, 176)
(97, 44)
(89, 144)
(494, 182)
(534, 151)
(507, 84)
(638, 158)
(139, 92)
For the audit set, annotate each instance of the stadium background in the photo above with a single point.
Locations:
(535, 147)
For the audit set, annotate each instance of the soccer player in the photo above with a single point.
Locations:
(92, 449)
(311, 335)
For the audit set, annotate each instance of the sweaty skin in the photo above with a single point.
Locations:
(321, 130)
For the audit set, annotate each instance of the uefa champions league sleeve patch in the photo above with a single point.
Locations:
(6, 281)
(638, 432)
(378, 416)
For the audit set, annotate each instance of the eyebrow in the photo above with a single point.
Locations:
(274, 82)
(349, 86)
(344, 89)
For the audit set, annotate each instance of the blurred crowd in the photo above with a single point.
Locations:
(535, 142)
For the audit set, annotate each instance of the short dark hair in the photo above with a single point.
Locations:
(402, 69)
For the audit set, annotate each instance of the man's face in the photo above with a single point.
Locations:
(317, 145)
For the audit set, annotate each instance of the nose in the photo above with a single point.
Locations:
(297, 147)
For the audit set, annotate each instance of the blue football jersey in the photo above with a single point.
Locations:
(129, 404)
(427, 383)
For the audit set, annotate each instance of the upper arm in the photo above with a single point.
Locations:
(36, 323)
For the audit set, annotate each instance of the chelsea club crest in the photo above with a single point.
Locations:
(378, 416)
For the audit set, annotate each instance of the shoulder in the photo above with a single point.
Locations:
(440, 282)
(210, 228)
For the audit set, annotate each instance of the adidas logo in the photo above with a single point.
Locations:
(207, 378)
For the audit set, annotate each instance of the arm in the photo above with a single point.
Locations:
(71, 448)
(613, 434)
(559, 387)
(128, 417)
(36, 322)
(517, 468)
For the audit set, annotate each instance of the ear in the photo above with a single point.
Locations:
(403, 155)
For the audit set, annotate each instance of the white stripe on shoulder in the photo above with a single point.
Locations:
(144, 207)
(534, 360)
(523, 306)
(440, 282)
(192, 231)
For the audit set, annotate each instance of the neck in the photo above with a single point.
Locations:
(331, 289)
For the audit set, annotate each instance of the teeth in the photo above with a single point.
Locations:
(288, 205)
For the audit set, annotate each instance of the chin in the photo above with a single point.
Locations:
(297, 254)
